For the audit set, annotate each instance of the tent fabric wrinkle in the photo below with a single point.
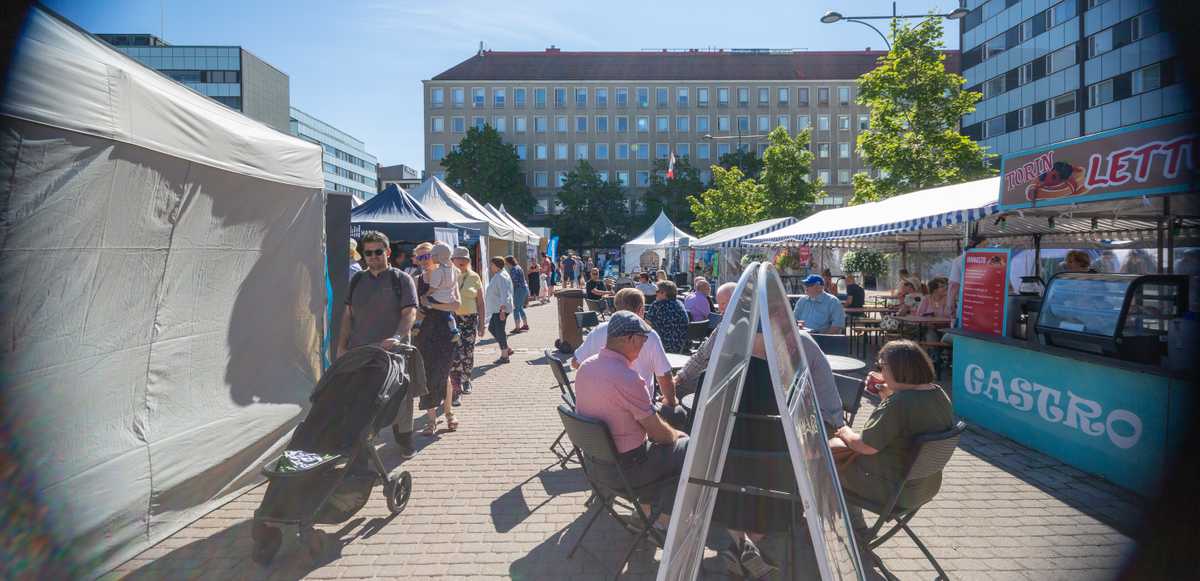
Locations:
(735, 236)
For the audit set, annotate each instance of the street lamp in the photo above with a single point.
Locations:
(739, 137)
(833, 16)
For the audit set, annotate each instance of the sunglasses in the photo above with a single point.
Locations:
(422, 256)
(378, 252)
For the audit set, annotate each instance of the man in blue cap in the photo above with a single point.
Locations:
(819, 311)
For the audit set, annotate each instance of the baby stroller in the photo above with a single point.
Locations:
(330, 466)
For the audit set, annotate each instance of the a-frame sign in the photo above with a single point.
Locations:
(759, 305)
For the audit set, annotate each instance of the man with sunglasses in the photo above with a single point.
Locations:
(380, 310)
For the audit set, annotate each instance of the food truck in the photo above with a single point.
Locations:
(1089, 367)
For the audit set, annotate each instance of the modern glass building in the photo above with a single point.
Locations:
(347, 165)
(228, 74)
(1052, 70)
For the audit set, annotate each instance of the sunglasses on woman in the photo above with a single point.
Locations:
(377, 252)
(422, 256)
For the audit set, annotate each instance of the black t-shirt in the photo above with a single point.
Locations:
(858, 296)
(594, 284)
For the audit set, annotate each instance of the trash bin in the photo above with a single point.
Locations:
(570, 336)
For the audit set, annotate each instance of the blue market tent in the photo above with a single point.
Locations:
(397, 214)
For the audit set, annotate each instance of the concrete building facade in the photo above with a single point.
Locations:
(347, 166)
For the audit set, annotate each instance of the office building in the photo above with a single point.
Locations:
(347, 165)
(228, 74)
(621, 111)
(1052, 70)
(401, 175)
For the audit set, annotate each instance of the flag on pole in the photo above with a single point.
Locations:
(671, 167)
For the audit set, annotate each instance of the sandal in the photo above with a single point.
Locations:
(430, 428)
(451, 423)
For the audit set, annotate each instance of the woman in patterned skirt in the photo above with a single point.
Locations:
(470, 322)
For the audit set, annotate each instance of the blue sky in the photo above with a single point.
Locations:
(358, 64)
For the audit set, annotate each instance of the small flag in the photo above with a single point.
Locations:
(671, 167)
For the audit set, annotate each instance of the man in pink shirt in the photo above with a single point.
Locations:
(607, 388)
(696, 303)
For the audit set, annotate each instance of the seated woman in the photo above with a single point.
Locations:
(872, 464)
(668, 317)
(908, 296)
(936, 303)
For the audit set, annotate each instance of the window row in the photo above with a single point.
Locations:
(642, 124)
(202, 76)
(1123, 33)
(1133, 83)
(1009, 39)
(642, 151)
(680, 97)
(641, 178)
(1040, 112)
(1029, 72)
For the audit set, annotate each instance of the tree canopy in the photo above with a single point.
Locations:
(787, 164)
(593, 211)
(488, 169)
(916, 106)
(732, 200)
(743, 159)
(671, 195)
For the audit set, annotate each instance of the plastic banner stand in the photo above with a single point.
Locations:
(759, 299)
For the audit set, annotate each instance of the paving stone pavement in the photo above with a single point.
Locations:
(489, 502)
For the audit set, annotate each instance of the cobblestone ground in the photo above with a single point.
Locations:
(488, 501)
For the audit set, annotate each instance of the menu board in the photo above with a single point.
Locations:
(985, 291)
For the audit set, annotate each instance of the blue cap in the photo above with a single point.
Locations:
(813, 279)
(625, 323)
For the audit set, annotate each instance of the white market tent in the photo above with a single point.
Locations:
(522, 234)
(735, 236)
(534, 237)
(446, 205)
(164, 288)
(661, 236)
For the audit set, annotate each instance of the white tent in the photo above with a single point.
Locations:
(534, 238)
(446, 205)
(735, 236)
(661, 236)
(164, 288)
(521, 233)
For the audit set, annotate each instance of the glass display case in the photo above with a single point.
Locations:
(1118, 315)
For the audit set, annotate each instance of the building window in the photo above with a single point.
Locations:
(802, 96)
(1063, 12)
(477, 97)
(702, 97)
(560, 123)
(560, 151)
(1061, 105)
(560, 97)
(438, 151)
(540, 151)
(662, 123)
(802, 122)
(539, 124)
(622, 97)
(581, 123)
(681, 97)
(743, 95)
(437, 125)
(994, 127)
(723, 97)
(823, 96)
(1148, 78)
(702, 123)
(500, 123)
(1062, 58)
(682, 123)
(722, 150)
(581, 151)
(864, 122)
(643, 97)
(1100, 43)
(844, 150)
(519, 124)
(1101, 93)
(683, 150)
(823, 150)
(437, 97)
(764, 123)
(843, 176)
(603, 175)
(661, 150)
(723, 123)
(622, 151)
(823, 177)
(743, 124)
(764, 96)
(843, 96)
(622, 124)
(539, 98)
(783, 94)
(1025, 117)
(581, 94)
(643, 179)
(823, 122)
(623, 179)
(601, 151)
(1144, 25)
(601, 124)
(498, 98)
(782, 121)
(541, 179)
(701, 151)
(844, 122)
(662, 97)
(560, 178)
(522, 151)
(642, 151)
(601, 97)
(458, 125)
(643, 124)
(457, 96)
(519, 98)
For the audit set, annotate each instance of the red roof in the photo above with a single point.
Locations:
(554, 64)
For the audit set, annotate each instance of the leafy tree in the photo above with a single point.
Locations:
(671, 195)
(745, 160)
(594, 211)
(488, 169)
(916, 106)
(732, 200)
(787, 164)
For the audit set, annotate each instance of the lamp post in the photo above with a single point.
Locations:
(738, 137)
(834, 16)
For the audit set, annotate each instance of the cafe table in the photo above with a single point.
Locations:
(677, 360)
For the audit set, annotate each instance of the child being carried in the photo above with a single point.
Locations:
(443, 283)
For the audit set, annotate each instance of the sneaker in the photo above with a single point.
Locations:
(752, 560)
(466, 388)
(457, 401)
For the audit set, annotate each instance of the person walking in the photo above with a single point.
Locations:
(470, 324)
(436, 344)
(535, 281)
(498, 305)
(520, 295)
(551, 276)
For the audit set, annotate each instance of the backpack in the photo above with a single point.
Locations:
(396, 287)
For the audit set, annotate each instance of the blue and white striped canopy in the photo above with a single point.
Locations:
(735, 236)
(930, 209)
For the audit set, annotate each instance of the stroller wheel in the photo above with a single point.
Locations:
(267, 540)
(398, 491)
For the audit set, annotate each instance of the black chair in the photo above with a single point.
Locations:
(833, 344)
(595, 445)
(597, 306)
(851, 389)
(697, 332)
(567, 393)
(586, 320)
(931, 454)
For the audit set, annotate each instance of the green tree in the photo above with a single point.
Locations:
(488, 169)
(743, 159)
(732, 200)
(787, 165)
(671, 195)
(916, 106)
(594, 211)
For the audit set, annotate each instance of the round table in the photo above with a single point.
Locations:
(841, 363)
(677, 360)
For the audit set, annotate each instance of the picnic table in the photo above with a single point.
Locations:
(934, 322)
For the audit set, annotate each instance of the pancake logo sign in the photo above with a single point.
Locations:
(1153, 158)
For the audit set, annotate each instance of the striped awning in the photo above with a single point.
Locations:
(736, 236)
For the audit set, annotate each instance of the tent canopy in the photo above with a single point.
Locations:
(534, 238)
(521, 234)
(662, 234)
(395, 213)
(178, 350)
(446, 205)
(733, 237)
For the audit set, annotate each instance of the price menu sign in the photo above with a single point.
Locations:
(985, 291)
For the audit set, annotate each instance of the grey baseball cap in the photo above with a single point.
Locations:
(625, 323)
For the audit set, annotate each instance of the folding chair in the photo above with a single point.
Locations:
(597, 306)
(851, 389)
(697, 332)
(567, 392)
(586, 320)
(596, 447)
(932, 453)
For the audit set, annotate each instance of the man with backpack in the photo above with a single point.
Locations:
(380, 310)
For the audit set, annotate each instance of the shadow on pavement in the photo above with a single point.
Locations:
(512, 508)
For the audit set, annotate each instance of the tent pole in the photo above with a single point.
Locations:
(1170, 235)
